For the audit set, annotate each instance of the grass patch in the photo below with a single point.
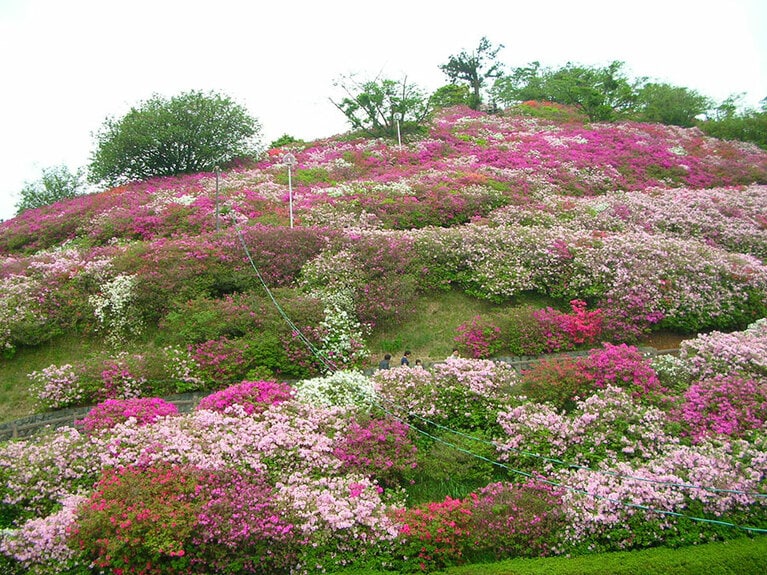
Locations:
(744, 556)
(16, 398)
(429, 327)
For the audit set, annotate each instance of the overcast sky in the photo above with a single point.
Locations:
(67, 65)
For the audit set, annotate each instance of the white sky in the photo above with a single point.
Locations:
(66, 65)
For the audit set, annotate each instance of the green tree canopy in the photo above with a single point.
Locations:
(603, 94)
(377, 106)
(475, 68)
(191, 132)
(731, 121)
(672, 105)
(451, 95)
(55, 184)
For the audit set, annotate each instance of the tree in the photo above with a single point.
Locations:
(451, 95)
(378, 106)
(523, 84)
(57, 183)
(285, 140)
(474, 69)
(733, 122)
(672, 105)
(191, 132)
(603, 94)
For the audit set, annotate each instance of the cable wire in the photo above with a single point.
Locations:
(579, 466)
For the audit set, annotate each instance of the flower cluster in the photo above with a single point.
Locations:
(141, 411)
(565, 331)
(251, 396)
(724, 405)
(479, 337)
(341, 389)
(57, 386)
(112, 308)
(377, 448)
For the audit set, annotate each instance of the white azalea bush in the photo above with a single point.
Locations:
(341, 389)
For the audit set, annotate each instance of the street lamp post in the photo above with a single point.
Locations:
(218, 225)
(290, 160)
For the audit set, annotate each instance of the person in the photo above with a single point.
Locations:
(454, 355)
(384, 363)
(418, 363)
(405, 361)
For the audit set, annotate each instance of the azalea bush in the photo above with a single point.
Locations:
(470, 392)
(523, 333)
(515, 520)
(138, 518)
(719, 353)
(341, 389)
(378, 448)
(499, 521)
(565, 331)
(434, 535)
(623, 366)
(112, 411)
(58, 386)
(479, 337)
(222, 361)
(252, 396)
(558, 381)
(724, 405)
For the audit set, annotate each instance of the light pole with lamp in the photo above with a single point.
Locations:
(290, 160)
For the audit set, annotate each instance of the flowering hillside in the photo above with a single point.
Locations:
(198, 283)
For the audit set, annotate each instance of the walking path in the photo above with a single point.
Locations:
(186, 402)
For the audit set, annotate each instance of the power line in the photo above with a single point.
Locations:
(329, 365)
(571, 465)
(576, 490)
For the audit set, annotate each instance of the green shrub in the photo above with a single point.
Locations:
(523, 332)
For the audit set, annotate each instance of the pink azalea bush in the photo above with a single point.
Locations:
(623, 366)
(43, 542)
(58, 386)
(378, 448)
(565, 331)
(142, 411)
(562, 380)
(252, 396)
(479, 337)
(471, 391)
(222, 360)
(717, 353)
(724, 405)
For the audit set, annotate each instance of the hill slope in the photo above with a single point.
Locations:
(653, 227)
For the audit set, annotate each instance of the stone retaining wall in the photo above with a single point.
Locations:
(30, 425)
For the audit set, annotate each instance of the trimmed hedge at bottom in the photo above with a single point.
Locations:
(745, 556)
